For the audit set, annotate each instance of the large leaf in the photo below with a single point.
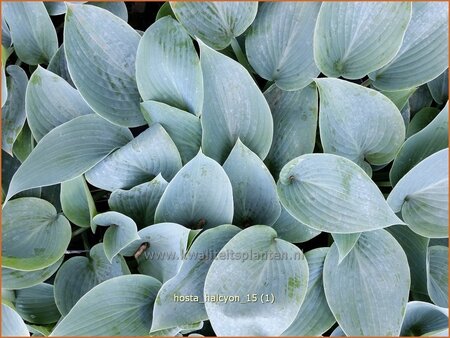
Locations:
(121, 306)
(424, 51)
(439, 88)
(121, 232)
(234, 107)
(368, 291)
(80, 274)
(422, 196)
(353, 39)
(314, 317)
(101, 52)
(50, 102)
(34, 236)
(140, 202)
(77, 202)
(184, 129)
(67, 152)
(291, 230)
(333, 194)
(13, 112)
(200, 195)
(160, 250)
(294, 123)
(190, 280)
(168, 68)
(429, 140)
(6, 33)
(358, 123)
(12, 324)
(58, 65)
(279, 43)
(17, 279)
(37, 304)
(416, 249)
(437, 275)
(424, 319)
(142, 159)
(269, 269)
(32, 31)
(254, 190)
(216, 23)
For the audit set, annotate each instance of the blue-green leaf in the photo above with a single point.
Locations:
(437, 275)
(424, 319)
(12, 324)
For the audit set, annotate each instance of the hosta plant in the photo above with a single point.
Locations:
(224, 168)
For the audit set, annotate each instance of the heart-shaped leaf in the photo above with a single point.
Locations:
(234, 107)
(358, 123)
(18, 279)
(279, 43)
(256, 276)
(437, 275)
(50, 102)
(12, 324)
(422, 196)
(142, 159)
(294, 123)
(424, 51)
(123, 305)
(331, 193)
(439, 88)
(216, 23)
(254, 190)
(190, 280)
(184, 129)
(200, 195)
(429, 140)
(168, 68)
(32, 31)
(424, 319)
(353, 39)
(314, 317)
(67, 152)
(13, 111)
(80, 274)
(101, 52)
(121, 232)
(34, 236)
(140, 202)
(368, 291)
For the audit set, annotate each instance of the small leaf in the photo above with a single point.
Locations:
(34, 236)
(279, 43)
(58, 65)
(314, 317)
(437, 275)
(421, 119)
(368, 291)
(12, 324)
(77, 202)
(140, 202)
(55, 8)
(123, 305)
(168, 68)
(120, 233)
(345, 243)
(142, 159)
(399, 97)
(234, 107)
(67, 152)
(165, 10)
(216, 23)
(422, 196)
(358, 123)
(13, 111)
(424, 319)
(330, 193)
(117, 8)
(80, 274)
(294, 122)
(183, 128)
(50, 102)
(284, 278)
(424, 51)
(32, 31)
(353, 39)
(190, 280)
(439, 88)
(420, 99)
(111, 45)
(429, 140)
(199, 196)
